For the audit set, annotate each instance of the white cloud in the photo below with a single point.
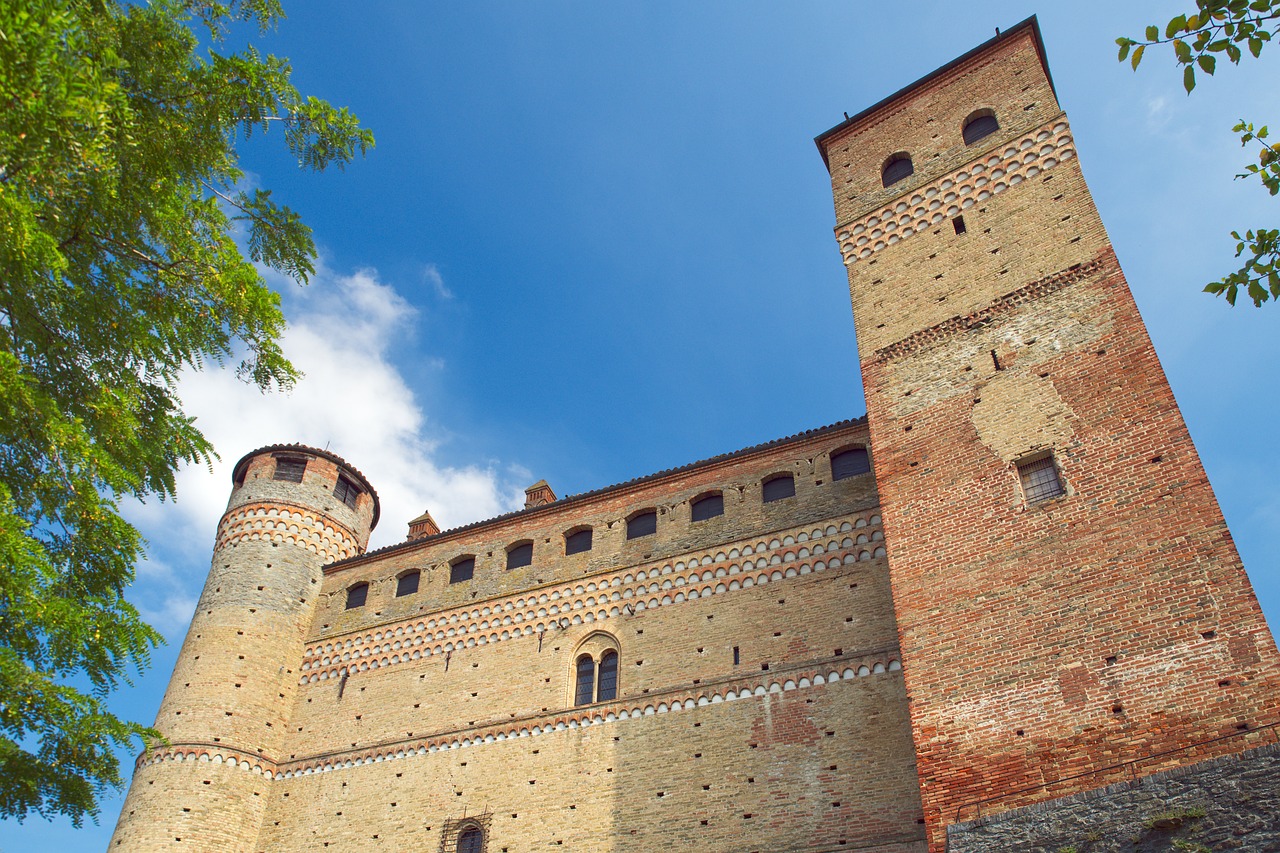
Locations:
(352, 400)
(431, 275)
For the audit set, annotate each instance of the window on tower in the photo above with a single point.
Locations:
(896, 168)
(979, 125)
(289, 469)
(470, 840)
(407, 583)
(850, 463)
(642, 524)
(778, 488)
(357, 595)
(707, 506)
(577, 541)
(462, 569)
(346, 491)
(520, 555)
(1039, 477)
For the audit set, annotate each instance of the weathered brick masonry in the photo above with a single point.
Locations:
(833, 660)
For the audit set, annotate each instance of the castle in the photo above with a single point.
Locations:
(1001, 612)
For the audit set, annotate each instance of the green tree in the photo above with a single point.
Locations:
(120, 208)
(1228, 28)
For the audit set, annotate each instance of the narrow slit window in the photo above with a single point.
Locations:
(520, 555)
(462, 570)
(346, 491)
(577, 541)
(607, 684)
(586, 681)
(289, 469)
(407, 583)
(644, 524)
(850, 463)
(357, 595)
(708, 506)
(1040, 480)
(779, 488)
(958, 225)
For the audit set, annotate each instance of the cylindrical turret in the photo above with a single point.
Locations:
(293, 509)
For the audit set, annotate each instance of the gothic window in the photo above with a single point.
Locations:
(979, 125)
(346, 491)
(779, 487)
(289, 469)
(470, 840)
(583, 691)
(896, 168)
(577, 541)
(607, 681)
(850, 463)
(1040, 480)
(357, 595)
(708, 506)
(642, 524)
(462, 569)
(407, 583)
(519, 555)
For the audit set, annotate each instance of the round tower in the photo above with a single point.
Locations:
(293, 510)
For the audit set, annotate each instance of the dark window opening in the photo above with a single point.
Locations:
(958, 224)
(586, 680)
(980, 125)
(644, 524)
(779, 488)
(346, 491)
(708, 506)
(289, 469)
(577, 541)
(520, 555)
(850, 463)
(898, 167)
(462, 570)
(357, 595)
(607, 688)
(1040, 480)
(407, 584)
(470, 840)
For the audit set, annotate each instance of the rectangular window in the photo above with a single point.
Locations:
(407, 584)
(346, 491)
(1040, 480)
(289, 469)
(462, 570)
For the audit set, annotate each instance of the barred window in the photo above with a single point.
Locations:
(577, 541)
(643, 524)
(289, 469)
(346, 491)
(582, 694)
(407, 583)
(778, 488)
(357, 595)
(520, 554)
(850, 463)
(470, 840)
(708, 506)
(462, 570)
(1040, 480)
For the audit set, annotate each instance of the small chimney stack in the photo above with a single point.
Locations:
(539, 494)
(422, 527)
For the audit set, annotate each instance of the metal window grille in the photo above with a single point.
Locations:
(779, 488)
(289, 470)
(346, 491)
(357, 595)
(577, 542)
(471, 840)
(520, 555)
(586, 680)
(850, 463)
(462, 570)
(407, 584)
(644, 524)
(1040, 480)
(708, 507)
(607, 685)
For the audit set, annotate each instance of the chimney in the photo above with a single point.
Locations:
(422, 527)
(539, 494)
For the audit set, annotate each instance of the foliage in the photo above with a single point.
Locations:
(120, 197)
(1218, 28)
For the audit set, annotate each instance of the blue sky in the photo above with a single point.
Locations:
(595, 241)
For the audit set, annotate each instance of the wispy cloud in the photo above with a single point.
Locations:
(431, 275)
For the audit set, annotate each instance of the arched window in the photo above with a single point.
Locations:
(979, 125)
(407, 583)
(519, 555)
(708, 506)
(583, 692)
(642, 524)
(470, 840)
(577, 541)
(850, 463)
(779, 487)
(896, 168)
(462, 570)
(357, 595)
(607, 681)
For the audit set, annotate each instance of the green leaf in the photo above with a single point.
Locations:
(1124, 48)
(1206, 63)
(1175, 26)
(1182, 50)
(1153, 33)
(1137, 56)
(1189, 78)
(1233, 53)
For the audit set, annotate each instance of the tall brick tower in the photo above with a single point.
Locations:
(293, 509)
(1067, 594)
